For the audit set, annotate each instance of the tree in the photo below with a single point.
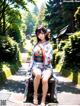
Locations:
(6, 6)
(29, 24)
(41, 15)
(35, 10)
(53, 15)
(59, 14)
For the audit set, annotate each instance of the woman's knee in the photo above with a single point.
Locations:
(44, 80)
(37, 73)
(38, 76)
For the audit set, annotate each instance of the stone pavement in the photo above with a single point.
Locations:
(13, 91)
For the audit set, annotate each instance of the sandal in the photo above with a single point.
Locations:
(43, 104)
(35, 100)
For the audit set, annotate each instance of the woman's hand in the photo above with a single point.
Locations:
(41, 46)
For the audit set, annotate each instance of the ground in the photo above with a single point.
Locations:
(12, 91)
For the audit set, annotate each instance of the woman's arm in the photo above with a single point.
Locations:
(47, 54)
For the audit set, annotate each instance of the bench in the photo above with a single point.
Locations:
(51, 90)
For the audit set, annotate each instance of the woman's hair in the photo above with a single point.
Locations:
(42, 30)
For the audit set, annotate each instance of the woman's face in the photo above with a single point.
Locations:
(41, 36)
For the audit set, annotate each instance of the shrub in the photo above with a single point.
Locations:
(57, 58)
(54, 56)
(9, 51)
(54, 46)
(14, 32)
(6, 70)
(72, 50)
(77, 17)
(61, 45)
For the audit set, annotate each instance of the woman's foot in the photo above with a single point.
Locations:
(35, 100)
(43, 104)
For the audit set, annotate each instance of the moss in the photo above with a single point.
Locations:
(58, 67)
(74, 77)
(6, 70)
(68, 62)
(79, 78)
(69, 73)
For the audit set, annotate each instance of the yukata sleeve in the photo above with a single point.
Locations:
(31, 61)
(29, 72)
(48, 55)
(29, 69)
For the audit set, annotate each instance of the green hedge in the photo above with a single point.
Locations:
(54, 46)
(61, 45)
(6, 70)
(69, 63)
(72, 50)
(9, 51)
(10, 57)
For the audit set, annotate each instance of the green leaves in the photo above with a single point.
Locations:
(77, 18)
(72, 49)
(7, 49)
(59, 14)
(10, 11)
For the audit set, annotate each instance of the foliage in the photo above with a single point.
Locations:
(61, 45)
(69, 63)
(11, 22)
(69, 54)
(9, 51)
(54, 46)
(30, 23)
(15, 29)
(53, 15)
(5, 9)
(41, 15)
(38, 16)
(54, 56)
(6, 70)
(10, 8)
(35, 10)
(77, 18)
(14, 32)
(72, 50)
(57, 58)
(56, 14)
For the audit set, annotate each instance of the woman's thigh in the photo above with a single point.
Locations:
(46, 74)
(36, 71)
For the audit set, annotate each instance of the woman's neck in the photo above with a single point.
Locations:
(43, 41)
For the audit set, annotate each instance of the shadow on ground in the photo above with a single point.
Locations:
(14, 86)
(68, 87)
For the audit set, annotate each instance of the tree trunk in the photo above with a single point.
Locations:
(3, 15)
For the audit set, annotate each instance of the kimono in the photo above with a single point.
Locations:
(42, 55)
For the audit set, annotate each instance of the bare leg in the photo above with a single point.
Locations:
(46, 76)
(37, 77)
(45, 89)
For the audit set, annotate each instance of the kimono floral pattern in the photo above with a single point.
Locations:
(42, 55)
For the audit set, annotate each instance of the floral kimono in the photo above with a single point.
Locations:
(41, 56)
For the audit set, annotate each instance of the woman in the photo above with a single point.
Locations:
(41, 63)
